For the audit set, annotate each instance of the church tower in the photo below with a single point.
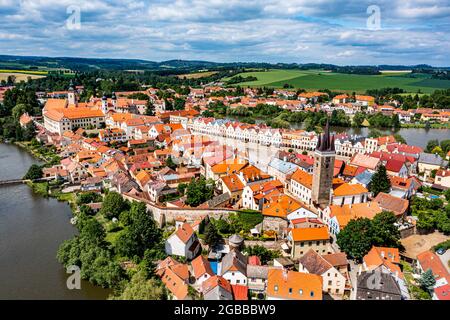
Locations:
(71, 97)
(104, 104)
(323, 169)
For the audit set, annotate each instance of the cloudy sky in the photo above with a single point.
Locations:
(338, 32)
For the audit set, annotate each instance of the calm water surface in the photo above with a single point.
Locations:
(31, 230)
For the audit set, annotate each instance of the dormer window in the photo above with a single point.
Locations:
(275, 288)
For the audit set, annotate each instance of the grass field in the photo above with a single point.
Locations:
(196, 75)
(316, 79)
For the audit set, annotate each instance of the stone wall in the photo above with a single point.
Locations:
(163, 215)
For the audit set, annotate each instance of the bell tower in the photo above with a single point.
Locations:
(323, 170)
(104, 104)
(71, 96)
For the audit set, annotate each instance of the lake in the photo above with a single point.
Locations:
(31, 230)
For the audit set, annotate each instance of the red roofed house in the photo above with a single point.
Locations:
(240, 292)
(183, 242)
(202, 270)
(175, 277)
(442, 293)
(304, 239)
(430, 260)
(442, 178)
(396, 168)
(217, 288)
(396, 205)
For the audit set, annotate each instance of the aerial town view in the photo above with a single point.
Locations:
(225, 150)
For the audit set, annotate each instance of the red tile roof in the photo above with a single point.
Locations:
(240, 292)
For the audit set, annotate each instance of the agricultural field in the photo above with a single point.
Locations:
(317, 79)
(22, 75)
(196, 75)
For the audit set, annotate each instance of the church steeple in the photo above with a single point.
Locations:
(323, 169)
(325, 143)
(71, 96)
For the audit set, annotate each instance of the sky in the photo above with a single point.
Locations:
(301, 31)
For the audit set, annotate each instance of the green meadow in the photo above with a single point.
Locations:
(318, 79)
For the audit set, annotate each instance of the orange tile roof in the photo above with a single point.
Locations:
(389, 257)
(280, 205)
(240, 292)
(292, 285)
(201, 266)
(55, 104)
(303, 178)
(143, 177)
(364, 98)
(310, 234)
(233, 183)
(349, 170)
(120, 117)
(229, 166)
(174, 284)
(429, 260)
(185, 232)
(347, 189)
(253, 173)
(390, 203)
(348, 212)
(215, 281)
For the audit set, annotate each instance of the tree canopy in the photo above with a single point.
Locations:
(380, 181)
(359, 235)
(34, 172)
(113, 205)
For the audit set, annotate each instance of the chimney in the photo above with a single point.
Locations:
(285, 274)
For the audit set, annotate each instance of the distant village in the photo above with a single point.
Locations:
(301, 188)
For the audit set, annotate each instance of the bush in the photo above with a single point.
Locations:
(34, 172)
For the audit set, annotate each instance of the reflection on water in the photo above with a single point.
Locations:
(31, 230)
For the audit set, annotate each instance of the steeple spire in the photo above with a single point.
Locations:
(325, 142)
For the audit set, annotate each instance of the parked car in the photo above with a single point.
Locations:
(441, 251)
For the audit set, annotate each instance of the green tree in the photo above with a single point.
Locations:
(359, 118)
(198, 191)
(264, 254)
(395, 121)
(399, 138)
(384, 231)
(140, 235)
(141, 288)
(356, 238)
(431, 145)
(427, 280)
(34, 172)
(212, 236)
(88, 197)
(170, 163)
(18, 110)
(149, 109)
(181, 188)
(380, 181)
(113, 205)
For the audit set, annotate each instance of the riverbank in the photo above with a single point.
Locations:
(32, 227)
(39, 151)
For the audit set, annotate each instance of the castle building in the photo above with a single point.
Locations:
(324, 156)
(61, 115)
